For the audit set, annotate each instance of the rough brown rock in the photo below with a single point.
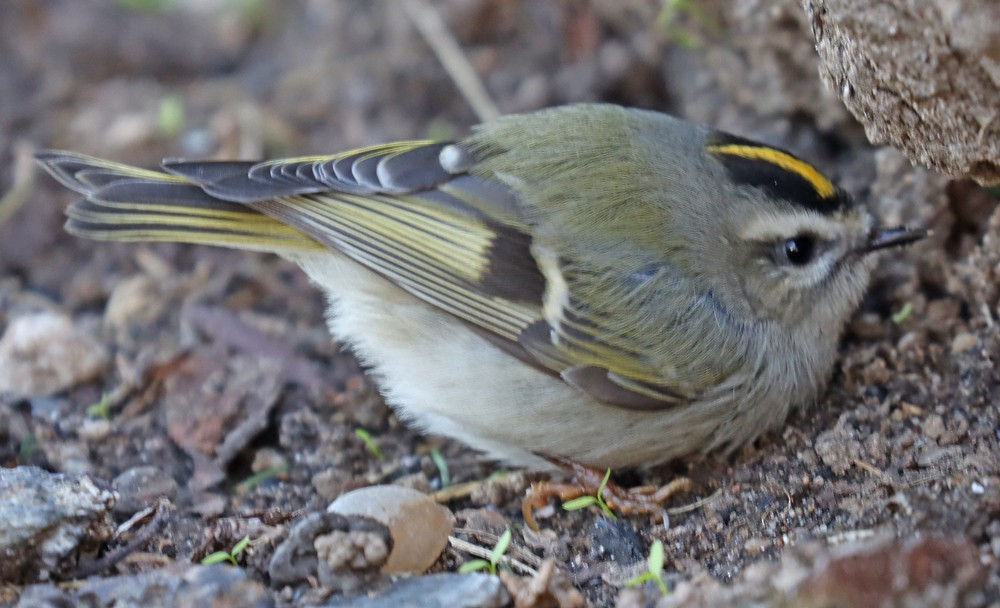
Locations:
(921, 76)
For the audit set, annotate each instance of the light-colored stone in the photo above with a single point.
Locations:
(43, 354)
(418, 525)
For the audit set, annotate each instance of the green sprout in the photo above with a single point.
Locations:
(490, 566)
(497, 475)
(171, 115)
(442, 466)
(369, 442)
(585, 501)
(227, 556)
(260, 477)
(903, 313)
(101, 409)
(654, 569)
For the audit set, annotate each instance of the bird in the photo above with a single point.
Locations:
(590, 283)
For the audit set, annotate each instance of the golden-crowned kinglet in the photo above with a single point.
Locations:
(613, 286)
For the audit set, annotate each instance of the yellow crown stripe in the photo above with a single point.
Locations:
(784, 160)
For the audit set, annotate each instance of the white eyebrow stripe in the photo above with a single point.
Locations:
(775, 226)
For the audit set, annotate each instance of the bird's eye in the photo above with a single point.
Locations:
(798, 250)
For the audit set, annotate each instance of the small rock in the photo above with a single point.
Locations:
(934, 426)
(483, 520)
(268, 459)
(359, 551)
(177, 585)
(48, 521)
(344, 553)
(932, 571)
(418, 525)
(755, 545)
(616, 540)
(416, 481)
(44, 353)
(434, 591)
(216, 403)
(935, 454)
(331, 482)
(68, 456)
(94, 430)
(350, 551)
(837, 451)
(220, 586)
(963, 342)
(139, 487)
(135, 301)
(548, 587)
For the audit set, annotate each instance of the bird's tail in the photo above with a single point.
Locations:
(124, 203)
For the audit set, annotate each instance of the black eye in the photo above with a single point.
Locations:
(799, 250)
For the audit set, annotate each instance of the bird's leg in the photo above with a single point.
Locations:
(587, 481)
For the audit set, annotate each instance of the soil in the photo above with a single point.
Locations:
(219, 372)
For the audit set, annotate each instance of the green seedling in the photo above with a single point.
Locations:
(903, 313)
(260, 477)
(585, 501)
(171, 116)
(490, 566)
(442, 466)
(101, 409)
(654, 570)
(227, 556)
(369, 442)
(498, 474)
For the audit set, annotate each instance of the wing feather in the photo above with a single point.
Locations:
(456, 239)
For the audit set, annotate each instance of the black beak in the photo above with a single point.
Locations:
(892, 237)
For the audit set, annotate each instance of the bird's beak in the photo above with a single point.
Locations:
(884, 238)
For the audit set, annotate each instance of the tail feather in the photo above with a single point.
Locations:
(125, 203)
(85, 174)
(206, 171)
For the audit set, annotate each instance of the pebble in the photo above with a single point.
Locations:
(268, 459)
(419, 526)
(963, 342)
(140, 487)
(94, 430)
(48, 520)
(933, 426)
(344, 553)
(43, 354)
(756, 545)
(136, 300)
(433, 591)
(178, 585)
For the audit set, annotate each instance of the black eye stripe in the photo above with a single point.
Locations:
(778, 173)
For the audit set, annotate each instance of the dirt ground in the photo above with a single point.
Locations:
(216, 384)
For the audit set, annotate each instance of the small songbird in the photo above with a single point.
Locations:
(610, 286)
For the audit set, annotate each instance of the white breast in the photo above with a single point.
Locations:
(447, 380)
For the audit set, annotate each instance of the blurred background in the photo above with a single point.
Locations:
(139, 80)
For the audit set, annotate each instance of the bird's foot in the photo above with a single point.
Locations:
(588, 481)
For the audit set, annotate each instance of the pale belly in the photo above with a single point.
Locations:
(447, 380)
